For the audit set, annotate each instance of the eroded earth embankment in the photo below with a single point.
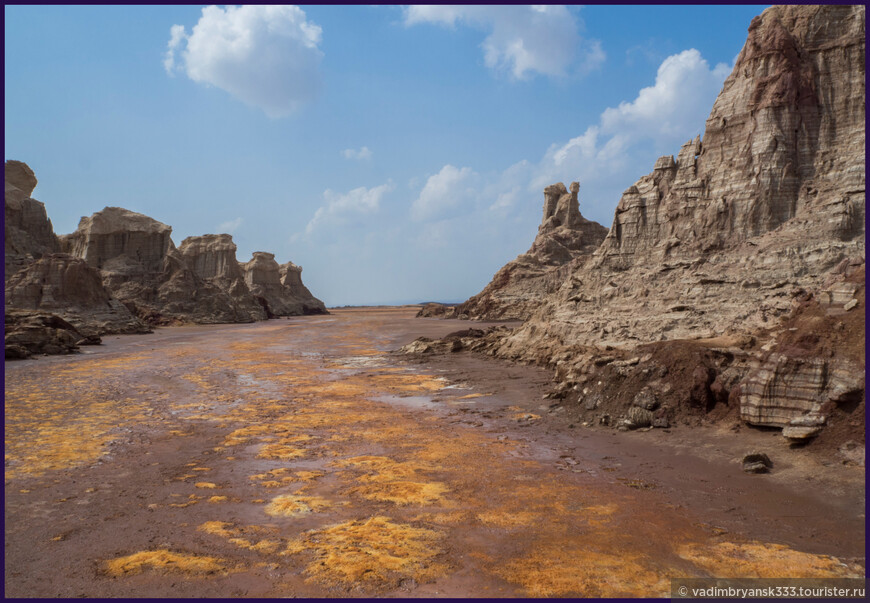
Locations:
(301, 458)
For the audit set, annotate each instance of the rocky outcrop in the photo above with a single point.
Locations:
(736, 233)
(120, 272)
(721, 239)
(213, 259)
(29, 333)
(27, 230)
(565, 241)
(61, 284)
(279, 289)
(291, 280)
(141, 267)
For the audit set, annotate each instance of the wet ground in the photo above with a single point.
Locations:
(300, 458)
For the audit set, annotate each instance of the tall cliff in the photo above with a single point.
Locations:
(721, 239)
(756, 229)
(40, 282)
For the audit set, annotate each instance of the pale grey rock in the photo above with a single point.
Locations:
(141, 267)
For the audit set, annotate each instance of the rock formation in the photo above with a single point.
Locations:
(735, 234)
(213, 259)
(565, 241)
(70, 288)
(291, 279)
(141, 267)
(120, 271)
(27, 229)
(28, 333)
(53, 301)
(279, 289)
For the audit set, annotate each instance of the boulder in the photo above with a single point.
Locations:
(28, 333)
(757, 462)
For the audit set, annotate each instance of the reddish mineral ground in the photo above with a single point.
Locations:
(301, 458)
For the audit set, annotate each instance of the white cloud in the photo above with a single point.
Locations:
(606, 158)
(176, 35)
(666, 114)
(231, 226)
(362, 154)
(521, 40)
(360, 200)
(446, 189)
(266, 56)
(683, 83)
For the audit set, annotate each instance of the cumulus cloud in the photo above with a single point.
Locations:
(360, 154)
(606, 158)
(521, 40)
(360, 200)
(683, 82)
(266, 56)
(448, 188)
(176, 37)
(231, 226)
(669, 112)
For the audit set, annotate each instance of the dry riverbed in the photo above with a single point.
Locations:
(300, 458)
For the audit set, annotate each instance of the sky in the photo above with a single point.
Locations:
(398, 153)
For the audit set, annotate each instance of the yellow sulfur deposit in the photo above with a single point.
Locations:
(288, 505)
(163, 559)
(375, 551)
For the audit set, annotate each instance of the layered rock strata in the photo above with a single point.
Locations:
(279, 288)
(741, 228)
(29, 333)
(120, 271)
(291, 280)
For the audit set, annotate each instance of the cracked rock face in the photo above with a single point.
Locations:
(141, 267)
(70, 288)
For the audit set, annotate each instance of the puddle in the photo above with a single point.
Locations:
(416, 402)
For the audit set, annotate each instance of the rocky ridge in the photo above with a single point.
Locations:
(711, 254)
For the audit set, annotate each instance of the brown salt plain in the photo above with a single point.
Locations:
(299, 458)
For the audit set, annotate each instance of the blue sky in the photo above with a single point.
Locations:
(398, 154)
